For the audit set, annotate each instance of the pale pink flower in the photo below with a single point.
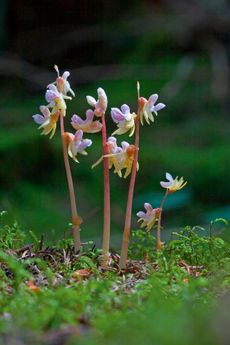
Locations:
(101, 104)
(149, 107)
(87, 125)
(149, 217)
(55, 99)
(119, 157)
(76, 144)
(47, 121)
(124, 120)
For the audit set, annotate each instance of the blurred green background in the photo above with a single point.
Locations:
(178, 49)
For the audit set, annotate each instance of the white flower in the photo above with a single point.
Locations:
(173, 185)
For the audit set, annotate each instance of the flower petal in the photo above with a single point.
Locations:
(39, 119)
(76, 120)
(65, 75)
(152, 99)
(89, 115)
(125, 109)
(159, 106)
(148, 207)
(142, 215)
(84, 144)
(117, 115)
(91, 100)
(169, 177)
(78, 137)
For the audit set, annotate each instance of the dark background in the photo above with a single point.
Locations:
(179, 49)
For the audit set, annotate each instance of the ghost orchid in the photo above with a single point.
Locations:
(47, 121)
(149, 217)
(124, 120)
(173, 185)
(76, 144)
(148, 107)
(101, 104)
(87, 125)
(55, 95)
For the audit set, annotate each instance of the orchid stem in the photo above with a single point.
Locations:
(127, 227)
(106, 226)
(159, 243)
(76, 219)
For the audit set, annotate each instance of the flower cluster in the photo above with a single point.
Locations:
(123, 159)
(56, 94)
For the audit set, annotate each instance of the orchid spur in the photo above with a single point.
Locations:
(124, 120)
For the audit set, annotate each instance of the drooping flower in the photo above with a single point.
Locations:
(87, 125)
(47, 121)
(101, 104)
(62, 83)
(124, 120)
(173, 185)
(148, 107)
(55, 99)
(119, 157)
(76, 144)
(149, 217)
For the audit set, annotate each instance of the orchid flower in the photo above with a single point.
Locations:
(62, 83)
(47, 121)
(124, 120)
(56, 99)
(119, 157)
(87, 125)
(101, 104)
(173, 185)
(149, 107)
(76, 144)
(149, 217)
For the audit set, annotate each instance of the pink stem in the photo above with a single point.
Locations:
(127, 227)
(106, 226)
(76, 220)
(159, 243)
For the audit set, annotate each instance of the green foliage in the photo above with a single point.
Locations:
(11, 237)
(157, 304)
